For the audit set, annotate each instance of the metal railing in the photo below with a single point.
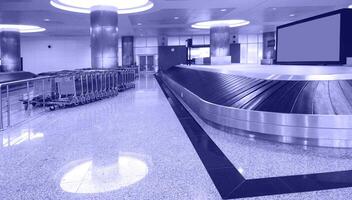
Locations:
(14, 100)
(20, 100)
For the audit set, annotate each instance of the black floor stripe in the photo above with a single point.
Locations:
(229, 181)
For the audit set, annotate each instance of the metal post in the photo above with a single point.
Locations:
(27, 83)
(92, 79)
(96, 83)
(74, 86)
(104, 77)
(109, 78)
(43, 84)
(82, 87)
(113, 81)
(101, 83)
(8, 106)
(1, 117)
(87, 83)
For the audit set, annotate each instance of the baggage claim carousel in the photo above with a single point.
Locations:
(308, 105)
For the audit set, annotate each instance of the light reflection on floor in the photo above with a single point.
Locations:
(90, 177)
(25, 135)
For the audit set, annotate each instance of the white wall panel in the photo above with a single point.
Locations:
(64, 54)
(152, 42)
(173, 41)
(140, 42)
(198, 40)
(252, 56)
(252, 38)
(183, 39)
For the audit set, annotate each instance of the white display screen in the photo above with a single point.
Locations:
(312, 41)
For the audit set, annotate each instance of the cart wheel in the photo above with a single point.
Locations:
(52, 108)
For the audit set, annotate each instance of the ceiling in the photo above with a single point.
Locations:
(169, 17)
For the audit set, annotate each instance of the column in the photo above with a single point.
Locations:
(10, 51)
(127, 51)
(268, 48)
(104, 37)
(220, 45)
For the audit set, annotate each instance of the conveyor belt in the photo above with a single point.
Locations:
(279, 96)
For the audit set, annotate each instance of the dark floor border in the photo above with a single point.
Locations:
(229, 181)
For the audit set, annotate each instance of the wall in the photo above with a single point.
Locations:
(251, 48)
(171, 55)
(235, 51)
(65, 53)
(269, 45)
(74, 52)
(127, 50)
(181, 40)
(146, 46)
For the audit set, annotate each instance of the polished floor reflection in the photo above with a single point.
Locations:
(94, 176)
(128, 147)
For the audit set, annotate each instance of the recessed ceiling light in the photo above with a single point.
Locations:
(21, 28)
(350, 6)
(223, 10)
(139, 24)
(47, 20)
(230, 23)
(274, 8)
(121, 6)
(176, 18)
(292, 15)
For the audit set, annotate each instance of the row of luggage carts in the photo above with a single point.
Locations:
(72, 88)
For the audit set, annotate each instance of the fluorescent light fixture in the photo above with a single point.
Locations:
(230, 23)
(121, 6)
(21, 28)
(223, 10)
(139, 24)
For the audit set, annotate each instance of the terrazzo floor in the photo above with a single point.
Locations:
(256, 159)
(133, 147)
(128, 147)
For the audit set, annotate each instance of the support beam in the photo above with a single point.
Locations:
(127, 51)
(104, 37)
(220, 41)
(10, 45)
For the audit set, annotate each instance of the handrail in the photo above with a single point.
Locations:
(6, 99)
(29, 89)
(24, 80)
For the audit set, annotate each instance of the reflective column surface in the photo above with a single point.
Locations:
(127, 50)
(220, 41)
(131, 146)
(104, 38)
(10, 51)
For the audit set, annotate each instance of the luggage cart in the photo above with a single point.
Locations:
(66, 91)
(38, 92)
(75, 87)
(130, 78)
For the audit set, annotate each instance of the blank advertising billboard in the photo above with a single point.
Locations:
(311, 41)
